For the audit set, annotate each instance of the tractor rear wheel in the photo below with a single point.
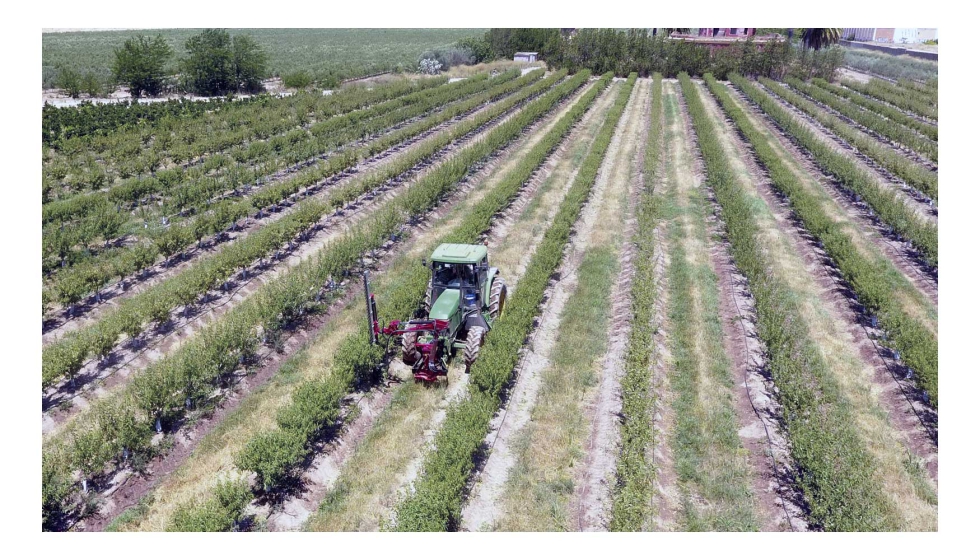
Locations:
(410, 354)
(498, 297)
(474, 341)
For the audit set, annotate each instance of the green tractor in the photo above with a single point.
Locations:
(464, 298)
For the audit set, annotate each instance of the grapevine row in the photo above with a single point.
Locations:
(887, 204)
(89, 278)
(436, 502)
(877, 89)
(835, 470)
(66, 357)
(874, 281)
(275, 454)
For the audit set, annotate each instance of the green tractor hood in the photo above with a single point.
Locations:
(445, 306)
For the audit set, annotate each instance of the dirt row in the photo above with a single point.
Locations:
(256, 404)
(111, 373)
(56, 324)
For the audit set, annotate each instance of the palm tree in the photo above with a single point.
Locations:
(817, 38)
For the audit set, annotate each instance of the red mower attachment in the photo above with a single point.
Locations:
(423, 340)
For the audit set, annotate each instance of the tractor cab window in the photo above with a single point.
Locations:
(443, 274)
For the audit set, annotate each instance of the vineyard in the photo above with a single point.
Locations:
(721, 307)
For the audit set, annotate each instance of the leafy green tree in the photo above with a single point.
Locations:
(250, 63)
(209, 68)
(91, 85)
(70, 81)
(140, 64)
(817, 38)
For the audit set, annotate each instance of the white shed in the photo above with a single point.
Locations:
(525, 57)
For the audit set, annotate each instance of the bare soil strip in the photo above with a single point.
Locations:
(858, 216)
(258, 411)
(916, 201)
(796, 261)
(101, 378)
(539, 486)
(394, 448)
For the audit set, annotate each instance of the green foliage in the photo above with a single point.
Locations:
(209, 68)
(874, 280)
(140, 64)
(916, 175)
(298, 80)
(891, 66)
(817, 38)
(891, 113)
(903, 99)
(70, 81)
(200, 364)
(633, 493)
(885, 202)
(250, 64)
(222, 512)
(436, 503)
(835, 470)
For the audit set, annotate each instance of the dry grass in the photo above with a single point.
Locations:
(542, 480)
(711, 465)
(829, 332)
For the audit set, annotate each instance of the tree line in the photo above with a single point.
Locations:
(216, 63)
(805, 52)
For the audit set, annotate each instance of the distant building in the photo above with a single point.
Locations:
(525, 57)
(724, 37)
(890, 34)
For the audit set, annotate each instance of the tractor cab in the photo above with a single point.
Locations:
(460, 285)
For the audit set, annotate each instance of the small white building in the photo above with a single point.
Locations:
(525, 57)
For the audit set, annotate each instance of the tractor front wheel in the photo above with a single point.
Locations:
(410, 354)
(474, 340)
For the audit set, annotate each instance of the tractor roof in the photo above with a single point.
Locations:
(459, 253)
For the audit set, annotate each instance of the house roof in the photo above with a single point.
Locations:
(524, 53)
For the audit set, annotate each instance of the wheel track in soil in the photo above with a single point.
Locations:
(131, 489)
(96, 382)
(385, 499)
(842, 309)
(596, 476)
(920, 204)
(481, 506)
(759, 414)
(913, 419)
(54, 328)
(900, 252)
